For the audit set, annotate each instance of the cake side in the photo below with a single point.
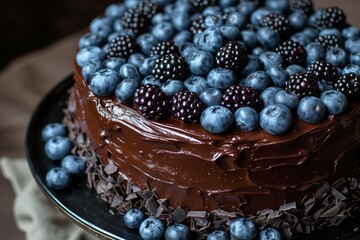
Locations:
(202, 171)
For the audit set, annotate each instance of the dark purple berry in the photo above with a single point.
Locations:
(148, 8)
(135, 21)
(241, 96)
(332, 17)
(305, 6)
(171, 66)
(187, 107)
(198, 25)
(349, 85)
(232, 56)
(277, 22)
(122, 47)
(323, 71)
(202, 4)
(164, 48)
(292, 53)
(303, 84)
(329, 41)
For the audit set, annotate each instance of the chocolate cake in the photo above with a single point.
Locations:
(236, 172)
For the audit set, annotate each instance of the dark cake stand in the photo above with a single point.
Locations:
(83, 206)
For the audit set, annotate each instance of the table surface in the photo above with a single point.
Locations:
(26, 80)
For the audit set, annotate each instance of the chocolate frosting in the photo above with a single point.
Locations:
(198, 170)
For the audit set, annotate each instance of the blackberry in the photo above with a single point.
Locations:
(198, 25)
(187, 107)
(233, 56)
(148, 8)
(135, 21)
(329, 41)
(200, 5)
(292, 53)
(171, 66)
(305, 6)
(303, 84)
(164, 48)
(349, 85)
(323, 71)
(277, 22)
(241, 96)
(332, 17)
(122, 46)
(151, 102)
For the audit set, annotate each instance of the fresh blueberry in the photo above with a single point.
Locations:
(352, 45)
(270, 59)
(187, 49)
(246, 7)
(289, 99)
(182, 37)
(212, 10)
(269, 234)
(337, 57)
(184, 6)
(150, 79)
(115, 10)
(210, 40)
(276, 119)
(257, 51)
(180, 20)
(230, 32)
(278, 75)
(160, 17)
(301, 37)
(221, 78)
(217, 235)
(146, 42)
(58, 178)
(351, 68)
(236, 19)
(293, 69)
(53, 130)
(114, 63)
(246, 119)
(242, 229)
(201, 63)
(258, 15)
(171, 87)
(101, 26)
(258, 80)
(355, 58)
(217, 119)
(297, 20)
(129, 70)
(178, 231)
(249, 38)
(196, 84)
(268, 95)
(334, 101)
(75, 165)
(330, 31)
(311, 109)
(131, 3)
(227, 3)
(315, 52)
(117, 25)
(133, 218)
(126, 90)
(152, 229)
(91, 40)
(58, 147)
(311, 33)
(277, 5)
(136, 59)
(85, 55)
(312, 20)
(323, 86)
(350, 32)
(147, 65)
(211, 97)
(211, 21)
(104, 82)
(268, 38)
(163, 31)
(252, 65)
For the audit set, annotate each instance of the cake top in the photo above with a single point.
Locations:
(224, 64)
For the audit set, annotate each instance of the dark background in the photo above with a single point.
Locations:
(28, 25)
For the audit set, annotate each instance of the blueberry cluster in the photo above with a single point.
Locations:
(249, 63)
(153, 228)
(58, 148)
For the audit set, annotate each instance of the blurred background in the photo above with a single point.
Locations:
(27, 26)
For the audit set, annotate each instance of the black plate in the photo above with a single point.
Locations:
(82, 205)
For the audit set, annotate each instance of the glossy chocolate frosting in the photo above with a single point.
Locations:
(193, 168)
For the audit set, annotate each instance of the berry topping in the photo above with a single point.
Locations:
(202, 4)
(232, 56)
(329, 41)
(277, 22)
(241, 96)
(122, 46)
(148, 8)
(305, 6)
(323, 71)
(332, 17)
(135, 21)
(151, 102)
(171, 66)
(349, 85)
(292, 53)
(164, 48)
(303, 84)
(198, 25)
(187, 107)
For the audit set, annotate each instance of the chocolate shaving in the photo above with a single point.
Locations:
(146, 194)
(179, 214)
(152, 206)
(197, 214)
(110, 168)
(118, 199)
